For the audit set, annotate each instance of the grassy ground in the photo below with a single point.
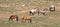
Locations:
(51, 19)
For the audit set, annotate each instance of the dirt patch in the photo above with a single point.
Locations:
(8, 14)
(53, 19)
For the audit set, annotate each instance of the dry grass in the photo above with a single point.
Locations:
(52, 19)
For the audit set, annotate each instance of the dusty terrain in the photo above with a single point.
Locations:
(52, 19)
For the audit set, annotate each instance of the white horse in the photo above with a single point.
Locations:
(33, 11)
(42, 12)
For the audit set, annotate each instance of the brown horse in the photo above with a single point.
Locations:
(27, 18)
(13, 17)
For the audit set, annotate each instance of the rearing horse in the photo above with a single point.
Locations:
(13, 17)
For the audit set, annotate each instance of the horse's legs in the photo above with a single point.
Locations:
(38, 13)
(32, 14)
(22, 20)
(43, 13)
(10, 19)
(30, 20)
(17, 19)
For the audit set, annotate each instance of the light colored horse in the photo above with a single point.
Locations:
(43, 11)
(33, 11)
(52, 8)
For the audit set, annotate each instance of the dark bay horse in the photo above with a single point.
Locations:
(13, 17)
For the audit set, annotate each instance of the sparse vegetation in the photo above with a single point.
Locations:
(52, 19)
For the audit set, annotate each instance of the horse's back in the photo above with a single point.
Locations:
(13, 16)
(26, 17)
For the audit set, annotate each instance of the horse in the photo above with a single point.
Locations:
(52, 8)
(43, 11)
(38, 11)
(34, 11)
(13, 17)
(24, 18)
